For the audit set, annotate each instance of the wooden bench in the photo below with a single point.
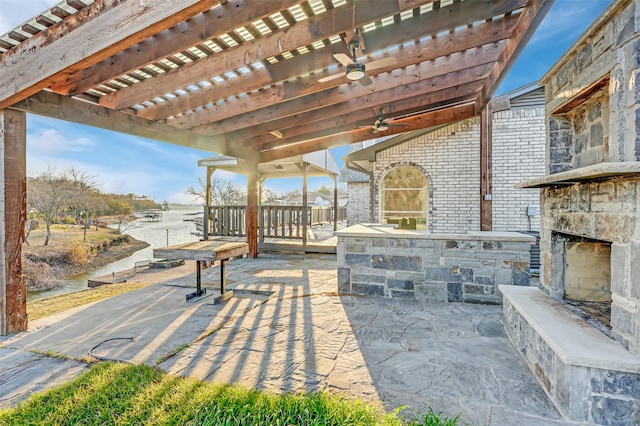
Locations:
(203, 252)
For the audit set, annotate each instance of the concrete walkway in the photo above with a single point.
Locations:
(287, 330)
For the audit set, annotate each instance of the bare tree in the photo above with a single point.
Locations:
(223, 192)
(122, 211)
(83, 196)
(48, 194)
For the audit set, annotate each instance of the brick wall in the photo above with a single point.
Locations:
(518, 155)
(358, 208)
(451, 157)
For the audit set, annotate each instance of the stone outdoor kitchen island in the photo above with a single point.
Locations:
(380, 260)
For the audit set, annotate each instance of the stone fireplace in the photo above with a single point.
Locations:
(584, 276)
(590, 230)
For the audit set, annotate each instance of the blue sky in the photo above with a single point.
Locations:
(124, 164)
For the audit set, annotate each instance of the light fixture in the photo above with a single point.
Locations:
(279, 167)
(355, 71)
(382, 126)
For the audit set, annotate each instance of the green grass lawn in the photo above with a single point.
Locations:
(122, 394)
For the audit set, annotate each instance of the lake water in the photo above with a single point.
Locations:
(172, 229)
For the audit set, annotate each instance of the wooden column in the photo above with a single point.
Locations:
(486, 165)
(207, 203)
(252, 210)
(335, 203)
(305, 205)
(13, 211)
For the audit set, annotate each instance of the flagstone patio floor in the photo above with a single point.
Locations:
(288, 330)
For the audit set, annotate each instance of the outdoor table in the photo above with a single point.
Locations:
(205, 251)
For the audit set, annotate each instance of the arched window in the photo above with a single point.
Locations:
(403, 198)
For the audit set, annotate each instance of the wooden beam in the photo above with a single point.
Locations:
(52, 105)
(486, 171)
(400, 84)
(303, 33)
(86, 38)
(453, 16)
(208, 25)
(344, 125)
(528, 22)
(423, 95)
(490, 36)
(13, 208)
(433, 118)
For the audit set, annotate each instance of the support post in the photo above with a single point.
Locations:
(486, 165)
(261, 213)
(13, 212)
(335, 203)
(252, 210)
(305, 205)
(207, 203)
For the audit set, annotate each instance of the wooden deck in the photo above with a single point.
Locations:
(320, 239)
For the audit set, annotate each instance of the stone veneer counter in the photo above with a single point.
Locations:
(381, 260)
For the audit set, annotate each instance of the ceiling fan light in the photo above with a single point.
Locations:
(383, 126)
(355, 71)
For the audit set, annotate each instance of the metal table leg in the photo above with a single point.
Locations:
(199, 290)
(222, 278)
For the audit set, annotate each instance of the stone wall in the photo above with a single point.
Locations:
(581, 137)
(605, 211)
(589, 378)
(602, 69)
(447, 268)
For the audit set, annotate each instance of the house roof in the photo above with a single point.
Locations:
(262, 80)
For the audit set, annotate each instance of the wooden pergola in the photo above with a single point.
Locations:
(254, 79)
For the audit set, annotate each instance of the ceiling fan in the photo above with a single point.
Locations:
(355, 70)
(382, 123)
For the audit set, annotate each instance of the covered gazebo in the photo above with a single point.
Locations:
(257, 80)
(313, 164)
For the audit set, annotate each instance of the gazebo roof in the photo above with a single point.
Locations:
(321, 163)
(258, 79)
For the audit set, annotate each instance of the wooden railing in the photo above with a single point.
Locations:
(226, 221)
(273, 221)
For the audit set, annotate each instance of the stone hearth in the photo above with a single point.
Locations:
(590, 228)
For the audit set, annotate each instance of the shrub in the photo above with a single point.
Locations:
(39, 276)
(77, 253)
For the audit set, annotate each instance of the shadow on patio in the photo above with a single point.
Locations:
(287, 330)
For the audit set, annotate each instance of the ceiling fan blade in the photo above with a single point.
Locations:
(330, 77)
(365, 81)
(398, 125)
(343, 59)
(381, 63)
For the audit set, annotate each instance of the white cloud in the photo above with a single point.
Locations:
(51, 141)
